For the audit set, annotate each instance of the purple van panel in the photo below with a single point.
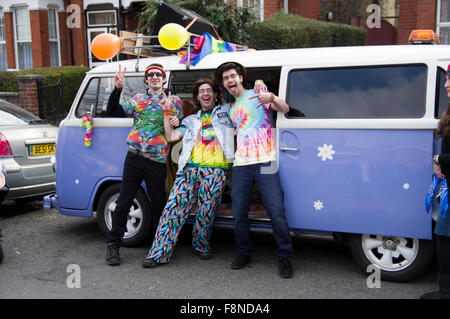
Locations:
(81, 169)
(357, 181)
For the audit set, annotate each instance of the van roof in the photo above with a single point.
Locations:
(305, 56)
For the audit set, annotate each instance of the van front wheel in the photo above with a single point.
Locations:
(400, 259)
(139, 222)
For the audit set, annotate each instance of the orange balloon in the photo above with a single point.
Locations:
(105, 46)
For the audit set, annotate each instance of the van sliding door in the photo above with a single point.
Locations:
(354, 152)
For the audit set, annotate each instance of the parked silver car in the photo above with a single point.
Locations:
(26, 145)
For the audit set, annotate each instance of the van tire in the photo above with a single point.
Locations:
(139, 218)
(407, 257)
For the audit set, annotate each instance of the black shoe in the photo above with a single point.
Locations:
(285, 268)
(207, 255)
(148, 263)
(431, 295)
(444, 289)
(112, 255)
(1, 250)
(241, 261)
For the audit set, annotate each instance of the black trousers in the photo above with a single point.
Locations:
(136, 169)
(443, 254)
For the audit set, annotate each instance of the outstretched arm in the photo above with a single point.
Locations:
(276, 104)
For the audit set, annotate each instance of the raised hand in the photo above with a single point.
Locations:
(118, 77)
(260, 86)
(166, 101)
(263, 98)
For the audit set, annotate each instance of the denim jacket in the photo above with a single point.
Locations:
(222, 126)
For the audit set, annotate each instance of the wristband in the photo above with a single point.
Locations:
(167, 112)
(435, 159)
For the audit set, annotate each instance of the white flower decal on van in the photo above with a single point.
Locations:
(326, 152)
(318, 205)
(406, 186)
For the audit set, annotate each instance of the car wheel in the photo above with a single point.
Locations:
(399, 259)
(139, 223)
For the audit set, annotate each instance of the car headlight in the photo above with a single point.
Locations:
(53, 162)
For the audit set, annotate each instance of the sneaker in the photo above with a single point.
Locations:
(206, 255)
(148, 263)
(112, 255)
(285, 268)
(241, 261)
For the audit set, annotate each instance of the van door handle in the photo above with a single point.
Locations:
(290, 149)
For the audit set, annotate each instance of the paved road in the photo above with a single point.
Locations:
(41, 246)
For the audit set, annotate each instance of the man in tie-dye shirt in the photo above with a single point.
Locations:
(252, 118)
(147, 150)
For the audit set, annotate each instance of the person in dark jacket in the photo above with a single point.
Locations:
(442, 230)
(147, 149)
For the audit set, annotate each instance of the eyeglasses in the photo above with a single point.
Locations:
(152, 74)
(203, 91)
(230, 77)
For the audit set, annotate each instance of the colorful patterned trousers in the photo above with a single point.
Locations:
(198, 188)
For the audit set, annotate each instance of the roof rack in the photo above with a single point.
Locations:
(144, 46)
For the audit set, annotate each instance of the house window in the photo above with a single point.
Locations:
(53, 37)
(23, 38)
(100, 21)
(443, 21)
(101, 18)
(257, 5)
(3, 61)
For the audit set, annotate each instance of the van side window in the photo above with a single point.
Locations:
(89, 98)
(181, 83)
(441, 94)
(358, 92)
(98, 90)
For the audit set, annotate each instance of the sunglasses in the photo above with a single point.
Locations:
(152, 74)
(230, 77)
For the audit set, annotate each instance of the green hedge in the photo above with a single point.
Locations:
(70, 76)
(284, 31)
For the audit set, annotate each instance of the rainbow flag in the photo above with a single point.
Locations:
(210, 45)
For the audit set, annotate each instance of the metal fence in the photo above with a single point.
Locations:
(50, 102)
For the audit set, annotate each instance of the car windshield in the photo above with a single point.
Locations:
(14, 115)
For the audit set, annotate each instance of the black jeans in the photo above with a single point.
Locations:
(443, 254)
(136, 169)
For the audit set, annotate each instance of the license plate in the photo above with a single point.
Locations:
(41, 149)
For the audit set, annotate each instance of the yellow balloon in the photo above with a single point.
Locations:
(172, 36)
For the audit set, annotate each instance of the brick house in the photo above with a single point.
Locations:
(40, 33)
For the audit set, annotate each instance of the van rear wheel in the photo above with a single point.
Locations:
(139, 223)
(400, 259)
